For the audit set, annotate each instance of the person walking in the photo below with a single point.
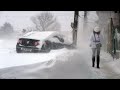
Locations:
(95, 44)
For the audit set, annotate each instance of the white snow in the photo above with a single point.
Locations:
(109, 68)
(9, 57)
(14, 59)
(1, 43)
(47, 35)
(38, 35)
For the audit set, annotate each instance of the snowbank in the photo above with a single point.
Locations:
(14, 59)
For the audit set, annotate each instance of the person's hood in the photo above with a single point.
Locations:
(97, 29)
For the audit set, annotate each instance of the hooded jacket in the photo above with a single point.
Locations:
(95, 39)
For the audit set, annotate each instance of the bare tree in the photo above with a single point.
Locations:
(46, 22)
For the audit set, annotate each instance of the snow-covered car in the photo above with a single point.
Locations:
(40, 41)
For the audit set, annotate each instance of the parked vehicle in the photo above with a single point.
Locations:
(40, 42)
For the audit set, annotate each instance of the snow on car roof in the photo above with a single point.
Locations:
(39, 35)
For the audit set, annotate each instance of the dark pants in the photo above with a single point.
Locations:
(96, 54)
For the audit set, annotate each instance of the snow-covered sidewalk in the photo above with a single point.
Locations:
(109, 68)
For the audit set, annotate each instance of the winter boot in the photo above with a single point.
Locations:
(93, 61)
(98, 61)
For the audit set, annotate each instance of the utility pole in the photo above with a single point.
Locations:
(75, 27)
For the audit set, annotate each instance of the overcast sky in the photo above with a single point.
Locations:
(21, 19)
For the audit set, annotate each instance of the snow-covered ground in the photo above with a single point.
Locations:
(14, 59)
(0, 43)
(9, 57)
(63, 63)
